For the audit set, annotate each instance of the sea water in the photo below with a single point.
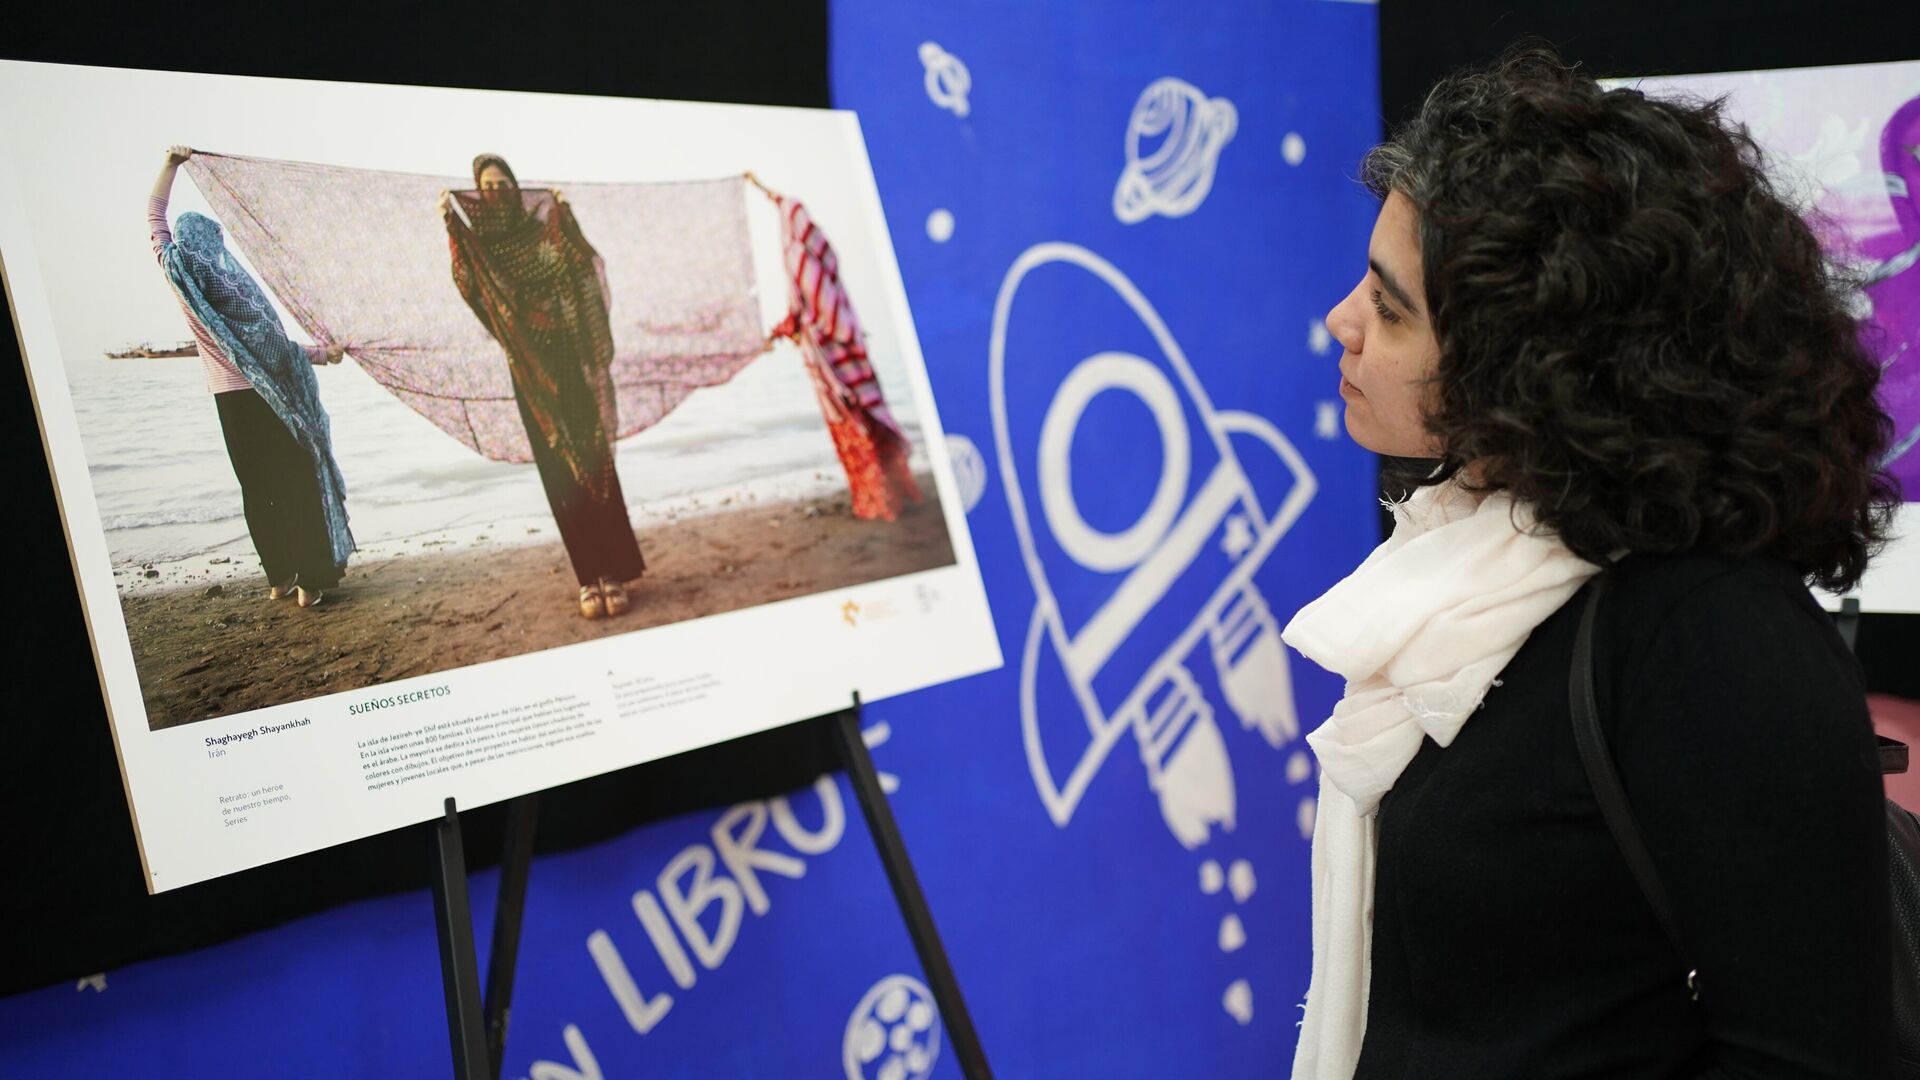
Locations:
(167, 493)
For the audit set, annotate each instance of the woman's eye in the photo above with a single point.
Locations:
(1386, 313)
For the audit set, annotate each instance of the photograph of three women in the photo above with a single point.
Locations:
(353, 423)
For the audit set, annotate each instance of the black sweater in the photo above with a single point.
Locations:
(1509, 937)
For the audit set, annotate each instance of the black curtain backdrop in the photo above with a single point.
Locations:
(1419, 42)
(73, 901)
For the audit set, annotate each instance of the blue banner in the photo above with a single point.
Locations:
(1119, 225)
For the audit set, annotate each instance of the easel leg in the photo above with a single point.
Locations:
(516, 859)
(459, 971)
(906, 893)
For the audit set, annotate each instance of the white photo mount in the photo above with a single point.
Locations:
(72, 206)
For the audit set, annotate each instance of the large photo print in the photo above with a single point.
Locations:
(347, 386)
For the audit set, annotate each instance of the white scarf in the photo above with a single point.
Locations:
(1419, 631)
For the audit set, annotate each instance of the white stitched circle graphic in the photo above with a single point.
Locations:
(1088, 546)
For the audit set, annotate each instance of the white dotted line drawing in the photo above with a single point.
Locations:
(1212, 878)
(1238, 1001)
(1326, 420)
(1237, 881)
(1319, 339)
(1233, 933)
(940, 226)
(969, 469)
(1300, 769)
(1240, 881)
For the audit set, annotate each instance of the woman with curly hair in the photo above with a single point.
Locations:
(1599, 337)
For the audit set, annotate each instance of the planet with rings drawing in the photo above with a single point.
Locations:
(1173, 143)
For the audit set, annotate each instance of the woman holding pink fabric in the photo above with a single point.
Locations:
(523, 266)
(277, 433)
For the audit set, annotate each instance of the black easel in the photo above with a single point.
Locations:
(477, 1028)
(906, 893)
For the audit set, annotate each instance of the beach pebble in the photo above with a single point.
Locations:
(219, 561)
(213, 590)
(152, 573)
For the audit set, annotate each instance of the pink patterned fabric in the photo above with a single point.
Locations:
(359, 259)
(821, 317)
(872, 448)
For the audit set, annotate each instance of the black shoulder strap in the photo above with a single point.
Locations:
(1601, 773)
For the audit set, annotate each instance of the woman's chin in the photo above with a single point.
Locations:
(1362, 432)
(1369, 436)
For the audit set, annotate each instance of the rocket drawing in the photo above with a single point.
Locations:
(1141, 527)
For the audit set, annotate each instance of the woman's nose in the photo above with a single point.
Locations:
(1344, 323)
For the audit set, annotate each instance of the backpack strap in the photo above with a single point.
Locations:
(1605, 778)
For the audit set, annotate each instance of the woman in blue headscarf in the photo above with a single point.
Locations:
(263, 386)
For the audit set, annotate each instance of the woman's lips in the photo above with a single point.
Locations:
(1347, 389)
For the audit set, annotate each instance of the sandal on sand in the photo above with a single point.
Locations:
(615, 595)
(592, 604)
(307, 599)
(281, 592)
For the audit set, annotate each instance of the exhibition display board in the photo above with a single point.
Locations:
(654, 317)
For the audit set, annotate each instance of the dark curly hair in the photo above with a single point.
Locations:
(1639, 336)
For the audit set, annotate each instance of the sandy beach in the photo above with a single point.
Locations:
(217, 645)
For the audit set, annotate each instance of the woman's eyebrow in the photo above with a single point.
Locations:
(1393, 287)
